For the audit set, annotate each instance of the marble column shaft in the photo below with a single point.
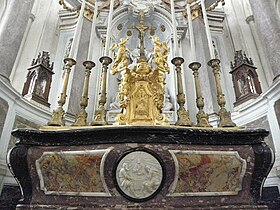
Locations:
(205, 73)
(267, 22)
(12, 28)
(76, 85)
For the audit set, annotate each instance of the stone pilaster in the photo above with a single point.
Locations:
(268, 27)
(12, 29)
(205, 74)
(76, 86)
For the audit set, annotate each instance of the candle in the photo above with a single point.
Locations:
(106, 50)
(76, 38)
(193, 51)
(92, 33)
(207, 29)
(175, 39)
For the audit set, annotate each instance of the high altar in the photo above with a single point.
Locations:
(141, 162)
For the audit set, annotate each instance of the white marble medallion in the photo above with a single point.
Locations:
(139, 174)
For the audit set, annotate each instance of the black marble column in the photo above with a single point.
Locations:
(268, 27)
(12, 29)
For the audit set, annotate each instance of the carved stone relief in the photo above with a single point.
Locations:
(139, 175)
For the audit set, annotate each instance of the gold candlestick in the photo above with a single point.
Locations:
(202, 118)
(183, 114)
(100, 114)
(57, 118)
(81, 117)
(225, 117)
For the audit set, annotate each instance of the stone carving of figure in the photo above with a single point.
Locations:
(120, 61)
(142, 5)
(115, 105)
(152, 180)
(125, 178)
(168, 106)
(141, 109)
(41, 88)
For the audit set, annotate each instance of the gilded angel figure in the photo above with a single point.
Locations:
(160, 54)
(120, 61)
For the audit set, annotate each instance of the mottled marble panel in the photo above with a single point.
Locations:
(78, 173)
(216, 173)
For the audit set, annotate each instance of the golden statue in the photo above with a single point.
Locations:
(142, 88)
(120, 60)
(160, 54)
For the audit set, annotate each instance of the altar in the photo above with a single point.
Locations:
(141, 161)
(141, 167)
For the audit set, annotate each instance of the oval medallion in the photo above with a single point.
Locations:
(139, 175)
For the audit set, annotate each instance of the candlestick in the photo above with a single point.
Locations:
(175, 39)
(77, 34)
(225, 116)
(57, 118)
(183, 114)
(106, 50)
(193, 50)
(81, 117)
(202, 118)
(207, 29)
(100, 114)
(92, 33)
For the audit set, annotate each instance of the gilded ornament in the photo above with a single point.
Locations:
(142, 88)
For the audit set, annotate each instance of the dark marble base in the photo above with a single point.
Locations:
(239, 207)
(193, 168)
(9, 197)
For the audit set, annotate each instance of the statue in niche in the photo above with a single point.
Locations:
(40, 89)
(115, 105)
(142, 104)
(168, 106)
(242, 85)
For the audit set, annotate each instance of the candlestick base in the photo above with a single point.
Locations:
(100, 117)
(225, 119)
(183, 117)
(81, 118)
(202, 119)
(57, 117)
